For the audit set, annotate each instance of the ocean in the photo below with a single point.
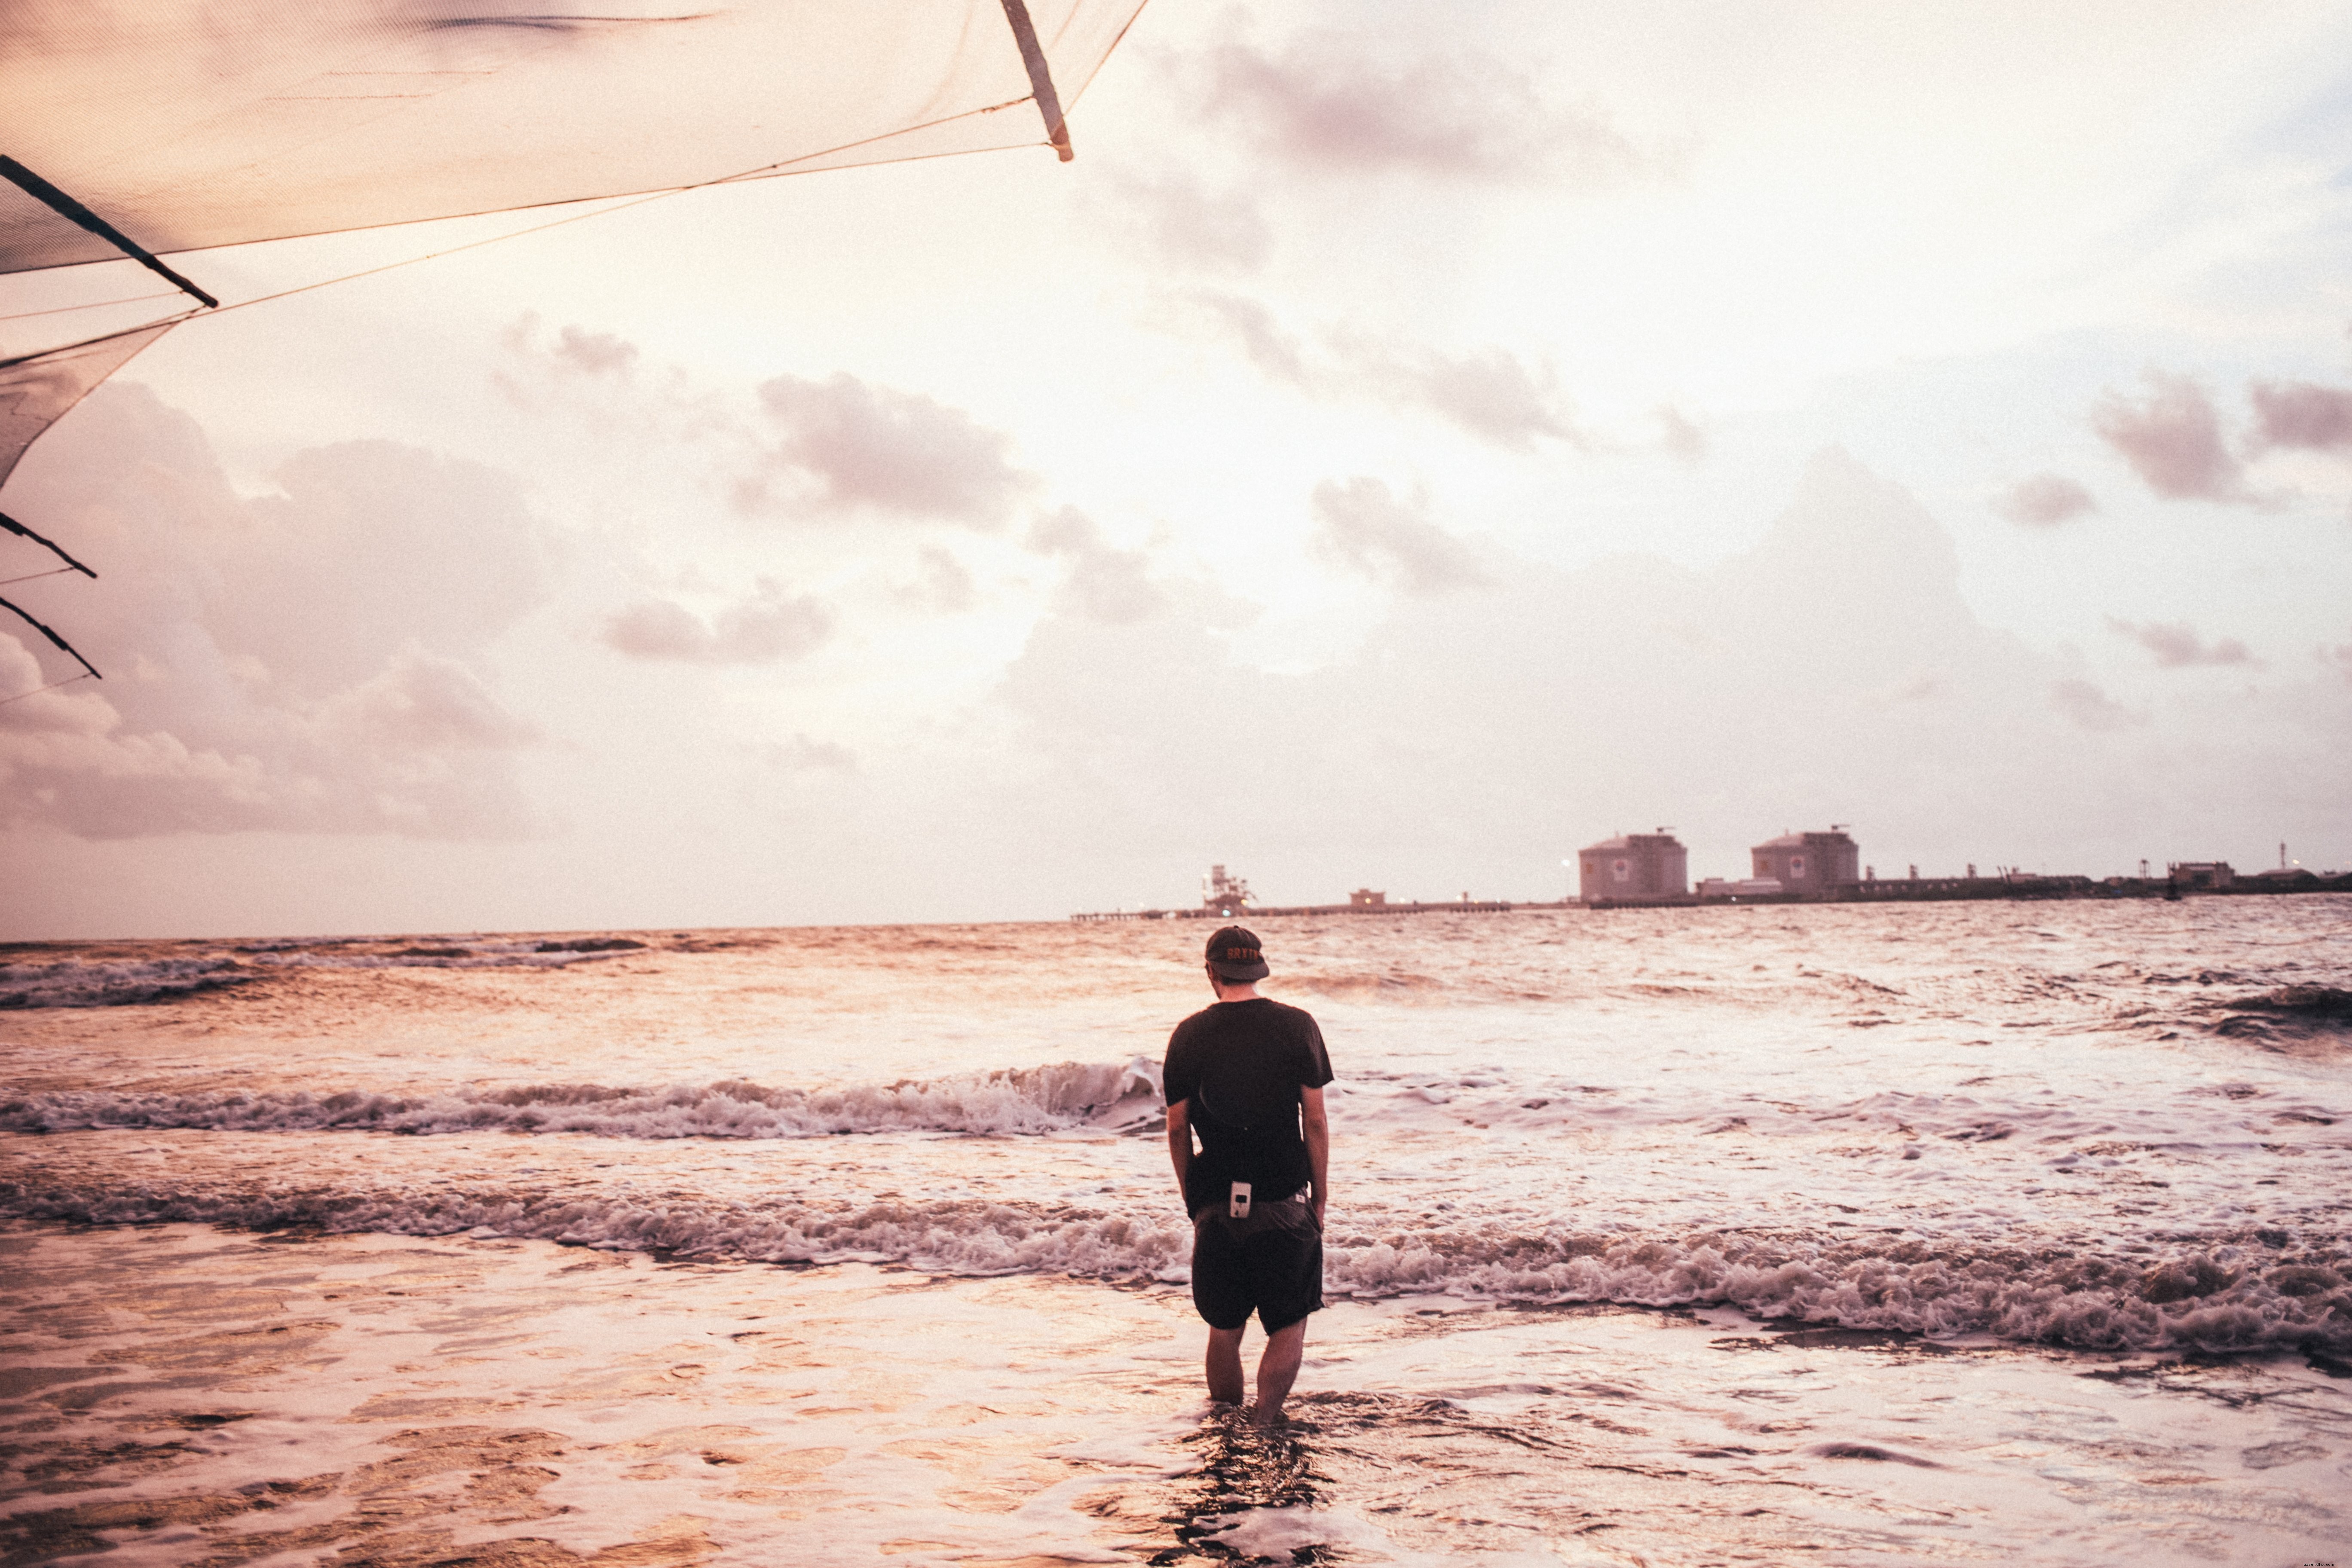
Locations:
(1967, 1232)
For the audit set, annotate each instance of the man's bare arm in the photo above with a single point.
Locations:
(1179, 1146)
(1317, 1127)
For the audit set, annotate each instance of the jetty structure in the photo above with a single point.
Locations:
(1650, 870)
(1825, 868)
(1225, 896)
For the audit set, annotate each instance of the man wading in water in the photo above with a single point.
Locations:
(1247, 1074)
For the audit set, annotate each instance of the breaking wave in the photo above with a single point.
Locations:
(128, 983)
(1009, 1100)
(478, 955)
(2293, 1009)
(2229, 1298)
(115, 984)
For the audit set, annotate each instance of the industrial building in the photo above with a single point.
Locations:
(1224, 893)
(1633, 865)
(1809, 864)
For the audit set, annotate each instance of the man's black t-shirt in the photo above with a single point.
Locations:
(1241, 1065)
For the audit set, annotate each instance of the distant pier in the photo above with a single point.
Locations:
(1452, 906)
(1796, 868)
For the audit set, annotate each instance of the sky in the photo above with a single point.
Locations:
(1403, 446)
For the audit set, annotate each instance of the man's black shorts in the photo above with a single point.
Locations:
(1270, 1264)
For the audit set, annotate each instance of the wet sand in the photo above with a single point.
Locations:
(177, 1394)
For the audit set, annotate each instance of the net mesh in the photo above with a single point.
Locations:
(36, 390)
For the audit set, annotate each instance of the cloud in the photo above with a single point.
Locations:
(1110, 586)
(414, 751)
(1680, 436)
(1920, 686)
(944, 585)
(2177, 645)
(2044, 500)
(766, 628)
(1192, 226)
(2339, 659)
(1277, 354)
(590, 375)
(311, 661)
(1323, 103)
(1489, 393)
(2172, 438)
(802, 756)
(1471, 738)
(2090, 708)
(1361, 524)
(2301, 413)
(422, 702)
(847, 446)
(596, 354)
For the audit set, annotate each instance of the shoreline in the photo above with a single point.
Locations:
(185, 1396)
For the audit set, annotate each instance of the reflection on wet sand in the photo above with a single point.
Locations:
(178, 1395)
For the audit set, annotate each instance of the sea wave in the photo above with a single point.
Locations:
(454, 955)
(74, 984)
(2227, 1296)
(1125, 1097)
(2296, 1011)
(128, 983)
(1067, 1095)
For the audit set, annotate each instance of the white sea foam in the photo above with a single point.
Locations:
(1279, 1534)
(1125, 1096)
(2232, 1297)
(1947, 1121)
(1012, 1100)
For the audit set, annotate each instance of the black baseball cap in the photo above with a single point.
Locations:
(1234, 954)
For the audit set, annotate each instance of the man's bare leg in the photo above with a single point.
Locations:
(1224, 1365)
(1278, 1369)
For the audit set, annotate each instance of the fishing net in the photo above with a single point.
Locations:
(36, 390)
(190, 123)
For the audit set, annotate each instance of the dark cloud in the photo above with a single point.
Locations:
(310, 661)
(2172, 438)
(1680, 436)
(1106, 585)
(2177, 645)
(1193, 226)
(1324, 102)
(1361, 524)
(2044, 500)
(847, 446)
(2301, 413)
(766, 628)
(2089, 708)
